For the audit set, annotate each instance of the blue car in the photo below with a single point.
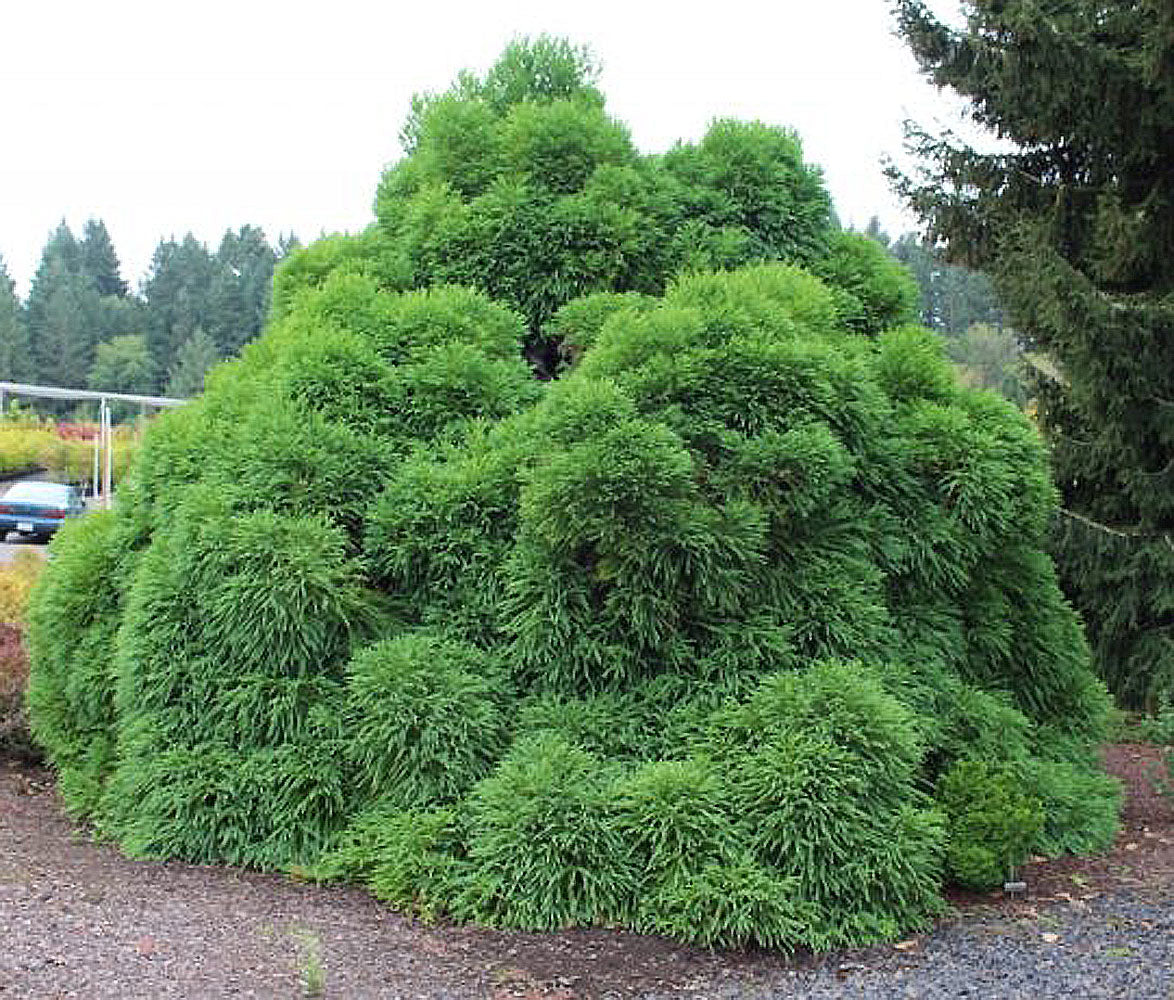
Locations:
(37, 509)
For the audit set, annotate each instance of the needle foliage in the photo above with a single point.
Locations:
(1073, 216)
(690, 639)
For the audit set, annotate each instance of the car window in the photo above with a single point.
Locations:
(40, 493)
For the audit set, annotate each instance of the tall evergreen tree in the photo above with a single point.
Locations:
(875, 231)
(63, 313)
(1076, 225)
(953, 297)
(119, 317)
(123, 364)
(177, 297)
(15, 358)
(287, 243)
(99, 262)
(239, 290)
(72, 316)
(196, 355)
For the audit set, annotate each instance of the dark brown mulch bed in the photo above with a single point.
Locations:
(78, 919)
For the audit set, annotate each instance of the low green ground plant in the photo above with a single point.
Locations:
(993, 821)
(1156, 727)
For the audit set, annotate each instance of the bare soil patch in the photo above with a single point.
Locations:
(78, 919)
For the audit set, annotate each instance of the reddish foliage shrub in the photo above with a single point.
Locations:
(14, 662)
(15, 738)
(76, 432)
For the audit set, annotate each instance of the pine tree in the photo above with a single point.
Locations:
(287, 243)
(15, 358)
(177, 297)
(239, 291)
(63, 314)
(953, 298)
(120, 317)
(59, 258)
(72, 319)
(1076, 225)
(196, 355)
(99, 262)
(874, 230)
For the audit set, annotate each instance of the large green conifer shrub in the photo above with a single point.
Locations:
(683, 640)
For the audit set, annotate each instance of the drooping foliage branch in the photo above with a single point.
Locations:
(722, 634)
(1076, 225)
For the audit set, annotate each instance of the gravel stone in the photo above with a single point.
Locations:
(78, 919)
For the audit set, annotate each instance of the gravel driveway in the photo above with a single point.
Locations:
(9, 549)
(77, 919)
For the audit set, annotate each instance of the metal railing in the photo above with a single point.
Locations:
(104, 442)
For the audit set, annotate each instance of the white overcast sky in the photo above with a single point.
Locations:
(160, 118)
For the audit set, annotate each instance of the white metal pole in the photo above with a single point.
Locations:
(109, 485)
(98, 458)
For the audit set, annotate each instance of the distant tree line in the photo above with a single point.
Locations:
(962, 305)
(83, 327)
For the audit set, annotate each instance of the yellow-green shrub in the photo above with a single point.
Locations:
(16, 579)
(25, 445)
(21, 447)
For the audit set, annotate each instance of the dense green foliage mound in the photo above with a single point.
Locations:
(694, 639)
(518, 183)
